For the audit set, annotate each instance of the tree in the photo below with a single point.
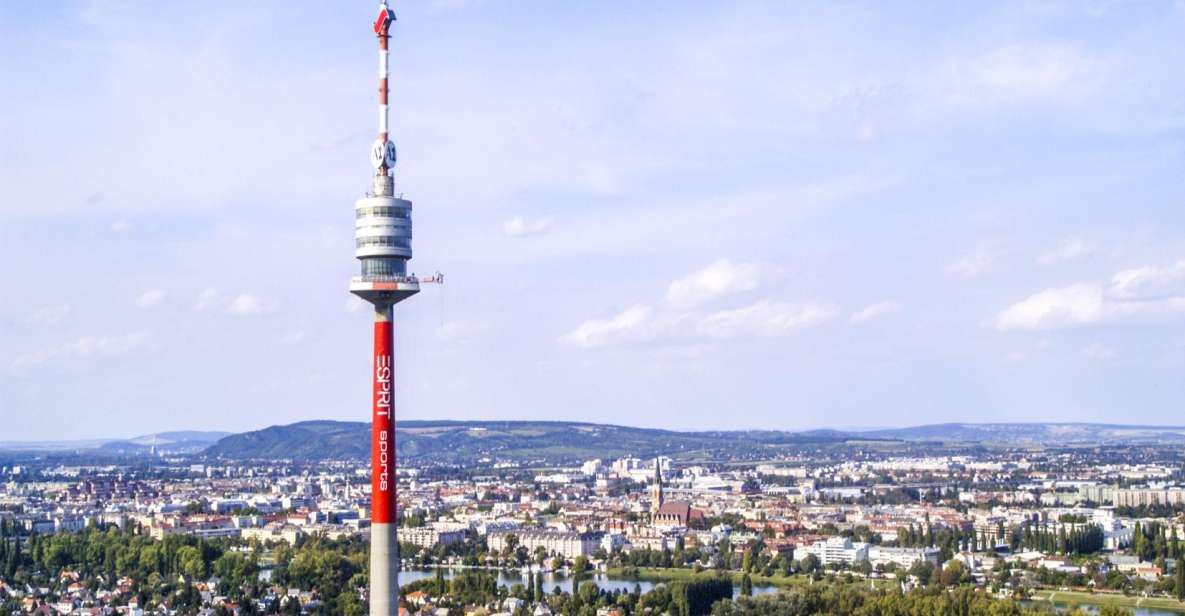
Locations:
(589, 592)
(1181, 578)
(579, 566)
(746, 585)
(696, 596)
(511, 541)
(954, 574)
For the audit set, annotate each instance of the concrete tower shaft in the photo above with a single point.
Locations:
(384, 543)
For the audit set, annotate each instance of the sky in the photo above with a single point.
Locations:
(689, 215)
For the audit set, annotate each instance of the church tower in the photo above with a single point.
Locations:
(656, 497)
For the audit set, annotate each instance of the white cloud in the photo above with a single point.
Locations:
(50, 315)
(148, 299)
(976, 264)
(206, 299)
(520, 227)
(763, 318)
(1069, 249)
(1026, 72)
(718, 279)
(1149, 282)
(603, 332)
(293, 337)
(683, 318)
(245, 304)
(873, 311)
(1135, 293)
(83, 348)
(120, 226)
(1079, 304)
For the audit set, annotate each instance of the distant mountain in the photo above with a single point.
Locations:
(1036, 433)
(183, 441)
(563, 442)
(77, 445)
(460, 441)
(546, 441)
(181, 436)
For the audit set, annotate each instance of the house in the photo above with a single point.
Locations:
(1148, 572)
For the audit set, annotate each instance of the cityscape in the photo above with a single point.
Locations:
(142, 526)
(912, 346)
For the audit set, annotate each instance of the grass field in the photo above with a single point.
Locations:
(1085, 598)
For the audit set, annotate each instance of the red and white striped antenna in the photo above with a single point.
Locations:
(382, 152)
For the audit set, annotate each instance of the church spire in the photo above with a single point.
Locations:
(656, 496)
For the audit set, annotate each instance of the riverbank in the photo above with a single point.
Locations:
(1073, 598)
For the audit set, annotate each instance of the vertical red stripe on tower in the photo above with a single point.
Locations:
(382, 432)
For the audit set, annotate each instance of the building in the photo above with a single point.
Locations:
(564, 543)
(902, 558)
(839, 550)
(677, 514)
(1145, 496)
(429, 537)
(656, 495)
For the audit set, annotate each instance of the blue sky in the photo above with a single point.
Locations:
(675, 214)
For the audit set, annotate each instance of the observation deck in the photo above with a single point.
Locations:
(384, 289)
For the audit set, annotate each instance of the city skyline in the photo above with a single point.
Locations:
(722, 217)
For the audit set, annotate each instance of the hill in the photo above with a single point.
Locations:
(565, 442)
(467, 441)
(1035, 433)
(182, 441)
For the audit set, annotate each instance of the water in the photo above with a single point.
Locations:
(551, 580)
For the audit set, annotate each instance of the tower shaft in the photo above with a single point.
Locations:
(384, 545)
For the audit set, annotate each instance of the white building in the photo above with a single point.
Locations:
(903, 558)
(566, 544)
(838, 550)
(429, 537)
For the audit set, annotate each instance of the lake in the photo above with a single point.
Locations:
(551, 580)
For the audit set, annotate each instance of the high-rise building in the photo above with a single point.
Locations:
(382, 234)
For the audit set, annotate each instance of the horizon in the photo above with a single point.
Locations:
(736, 215)
(841, 429)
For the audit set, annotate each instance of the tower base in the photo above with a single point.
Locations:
(384, 570)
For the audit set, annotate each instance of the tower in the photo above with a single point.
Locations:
(656, 496)
(382, 237)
